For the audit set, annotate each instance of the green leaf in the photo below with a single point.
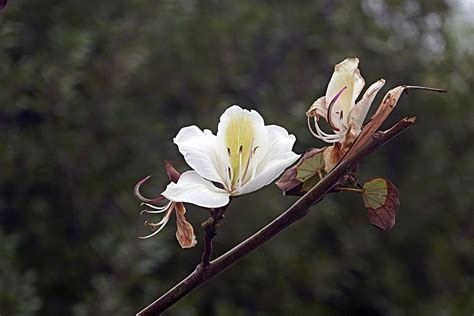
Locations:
(310, 165)
(310, 183)
(381, 200)
(300, 178)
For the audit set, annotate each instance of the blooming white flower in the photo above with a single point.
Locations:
(339, 108)
(242, 157)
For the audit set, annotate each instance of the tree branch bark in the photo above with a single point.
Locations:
(297, 211)
(210, 227)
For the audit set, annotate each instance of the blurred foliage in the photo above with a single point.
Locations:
(93, 93)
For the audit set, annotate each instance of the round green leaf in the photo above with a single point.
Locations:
(310, 166)
(300, 178)
(382, 202)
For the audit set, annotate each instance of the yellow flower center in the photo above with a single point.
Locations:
(239, 139)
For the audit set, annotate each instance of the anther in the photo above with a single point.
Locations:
(241, 148)
(228, 151)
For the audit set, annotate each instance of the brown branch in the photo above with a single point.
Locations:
(210, 227)
(291, 215)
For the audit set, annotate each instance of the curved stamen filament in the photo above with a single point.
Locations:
(159, 209)
(230, 175)
(320, 131)
(251, 152)
(328, 138)
(240, 166)
(161, 223)
(139, 196)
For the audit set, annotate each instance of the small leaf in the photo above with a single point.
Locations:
(300, 178)
(185, 231)
(311, 163)
(382, 202)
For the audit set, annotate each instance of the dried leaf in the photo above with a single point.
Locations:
(382, 202)
(300, 178)
(185, 231)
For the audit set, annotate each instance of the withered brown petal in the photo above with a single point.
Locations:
(382, 202)
(332, 155)
(184, 231)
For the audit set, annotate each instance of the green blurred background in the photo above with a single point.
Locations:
(92, 94)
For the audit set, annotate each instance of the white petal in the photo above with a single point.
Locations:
(192, 188)
(236, 110)
(318, 108)
(360, 110)
(201, 152)
(359, 84)
(278, 157)
(347, 65)
(346, 75)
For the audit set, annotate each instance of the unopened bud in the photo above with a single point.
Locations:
(172, 173)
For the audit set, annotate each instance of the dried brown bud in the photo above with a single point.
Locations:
(172, 173)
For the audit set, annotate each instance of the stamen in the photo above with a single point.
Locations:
(155, 232)
(228, 151)
(139, 196)
(229, 170)
(254, 170)
(251, 152)
(159, 209)
(319, 130)
(328, 138)
(161, 223)
(240, 166)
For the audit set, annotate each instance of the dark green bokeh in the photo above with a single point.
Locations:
(92, 94)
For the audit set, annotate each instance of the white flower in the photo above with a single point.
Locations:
(244, 156)
(339, 108)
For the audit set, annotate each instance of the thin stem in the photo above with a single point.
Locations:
(291, 215)
(349, 189)
(320, 174)
(426, 88)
